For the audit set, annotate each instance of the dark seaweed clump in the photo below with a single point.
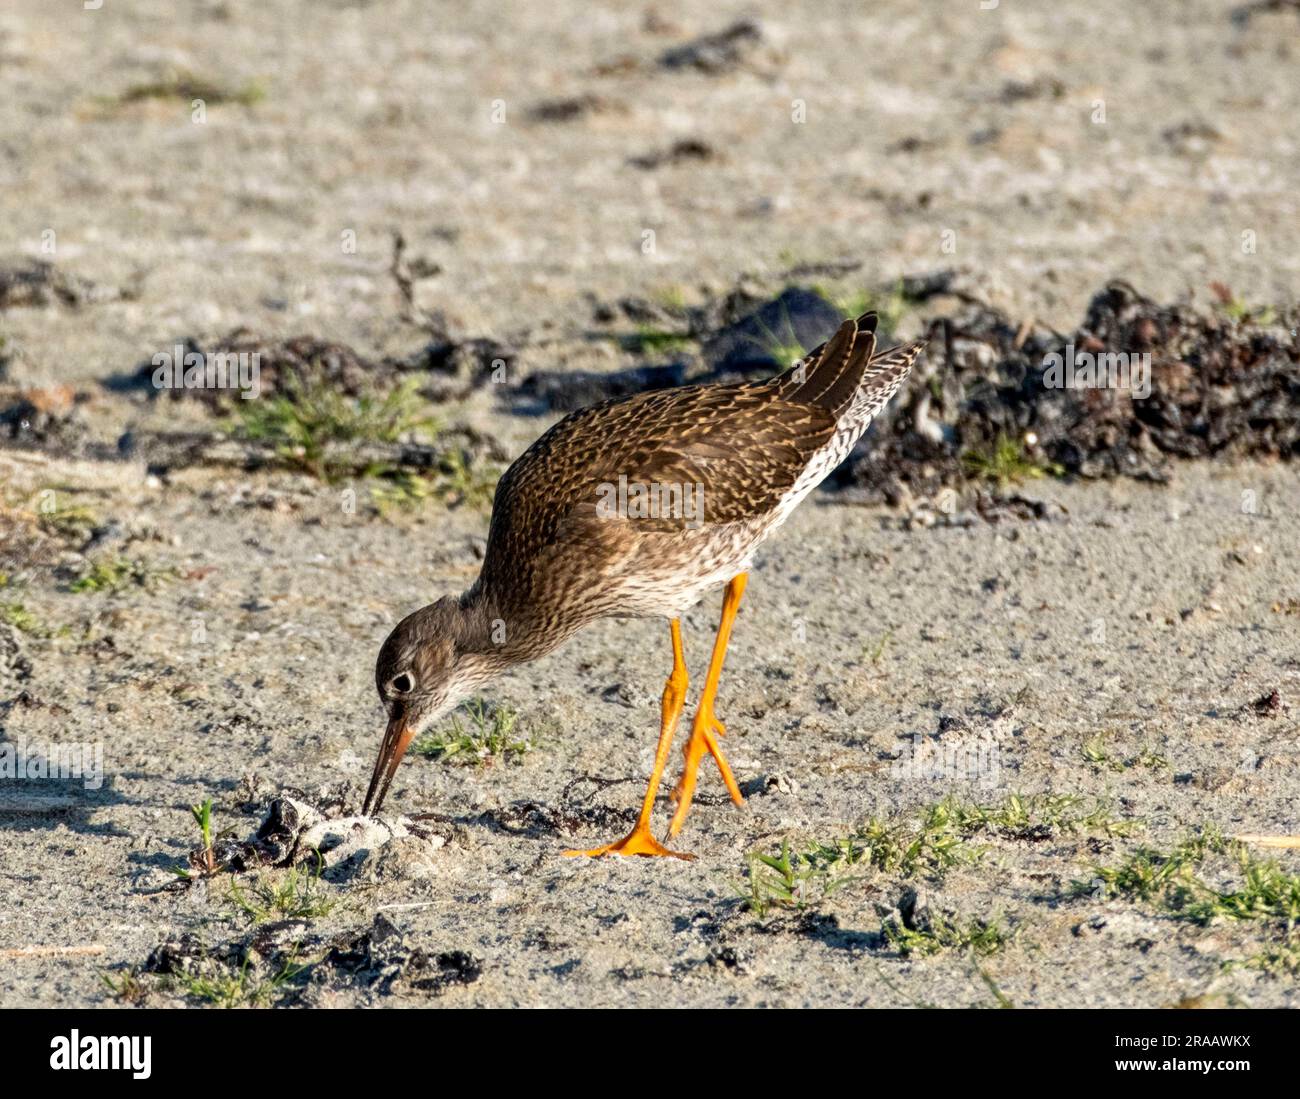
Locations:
(1220, 388)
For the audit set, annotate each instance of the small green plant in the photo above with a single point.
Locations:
(782, 344)
(1096, 753)
(1239, 310)
(929, 843)
(787, 880)
(315, 428)
(1149, 757)
(876, 651)
(114, 574)
(70, 521)
(1258, 890)
(890, 305)
(648, 339)
(1006, 463)
(1001, 998)
(1280, 959)
(207, 860)
(1094, 750)
(772, 880)
(228, 986)
(295, 894)
(786, 354)
(127, 988)
(183, 85)
(795, 878)
(457, 481)
(981, 938)
(1018, 816)
(20, 618)
(1149, 873)
(461, 482)
(489, 734)
(671, 297)
(1264, 891)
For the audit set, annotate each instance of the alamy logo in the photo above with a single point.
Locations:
(651, 500)
(73, 1051)
(973, 759)
(1105, 370)
(179, 369)
(22, 760)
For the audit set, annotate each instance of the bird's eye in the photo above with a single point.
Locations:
(401, 684)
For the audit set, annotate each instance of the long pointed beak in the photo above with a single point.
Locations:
(397, 738)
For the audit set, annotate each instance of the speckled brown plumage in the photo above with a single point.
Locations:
(559, 556)
(553, 563)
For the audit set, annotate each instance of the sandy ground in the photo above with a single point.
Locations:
(1144, 617)
(1147, 617)
(920, 118)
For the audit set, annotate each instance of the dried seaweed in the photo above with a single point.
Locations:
(1220, 388)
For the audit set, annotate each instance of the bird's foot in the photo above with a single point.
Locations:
(637, 842)
(705, 731)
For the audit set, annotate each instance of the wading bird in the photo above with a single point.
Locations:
(559, 556)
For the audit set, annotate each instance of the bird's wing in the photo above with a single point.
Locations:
(738, 448)
(735, 449)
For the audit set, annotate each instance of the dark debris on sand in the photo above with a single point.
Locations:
(722, 51)
(382, 958)
(38, 283)
(1219, 389)
(448, 369)
(320, 831)
(379, 959)
(740, 336)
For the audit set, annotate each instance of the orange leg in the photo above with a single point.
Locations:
(706, 728)
(639, 841)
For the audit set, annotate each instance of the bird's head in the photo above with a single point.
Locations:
(432, 660)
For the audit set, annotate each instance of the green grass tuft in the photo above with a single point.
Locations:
(295, 894)
(116, 573)
(936, 840)
(890, 305)
(21, 619)
(1281, 959)
(314, 428)
(650, 340)
(457, 481)
(73, 522)
(1241, 311)
(205, 858)
(490, 734)
(1149, 873)
(127, 989)
(671, 297)
(1006, 463)
(980, 937)
(1243, 887)
(1096, 753)
(244, 986)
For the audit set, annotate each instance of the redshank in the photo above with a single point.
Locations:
(637, 507)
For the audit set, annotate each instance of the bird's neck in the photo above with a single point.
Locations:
(502, 638)
(479, 628)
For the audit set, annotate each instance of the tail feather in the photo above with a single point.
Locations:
(883, 377)
(829, 376)
(845, 376)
